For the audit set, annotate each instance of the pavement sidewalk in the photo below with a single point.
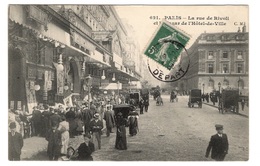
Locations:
(32, 146)
(244, 113)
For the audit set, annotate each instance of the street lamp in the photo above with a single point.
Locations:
(103, 75)
(89, 83)
(203, 88)
(114, 78)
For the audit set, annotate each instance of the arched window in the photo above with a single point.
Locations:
(211, 84)
(241, 84)
(225, 84)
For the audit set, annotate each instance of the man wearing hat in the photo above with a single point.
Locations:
(96, 126)
(88, 115)
(109, 118)
(53, 137)
(15, 142)
(36, 121)
(218, 145)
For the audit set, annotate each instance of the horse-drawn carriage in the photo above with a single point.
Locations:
(229, 101)
(195, 98)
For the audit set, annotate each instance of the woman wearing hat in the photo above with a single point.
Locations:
(121, 142)
(133, 121)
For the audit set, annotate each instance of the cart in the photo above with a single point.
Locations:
(229, 101)
(195, 98)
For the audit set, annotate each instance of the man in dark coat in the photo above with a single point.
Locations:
(88, 115)
(55, 118)
(15, 143)
(218, 145)
(146, 103)
(70, 117)
(109, 118)
(207, 97)
(141, 105)
(37, 121)
(45, 121)
(54, 142)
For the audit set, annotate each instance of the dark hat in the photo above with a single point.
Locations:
(87, 135)
(133, 108)
(12, 125)
(96, 115)
(45, 106)
(219, 126)
(54, 124)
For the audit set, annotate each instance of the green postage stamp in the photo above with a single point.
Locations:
(166, 45)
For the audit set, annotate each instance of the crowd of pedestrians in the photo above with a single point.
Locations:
(59, 124)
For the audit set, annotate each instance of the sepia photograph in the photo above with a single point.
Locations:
(111, 82)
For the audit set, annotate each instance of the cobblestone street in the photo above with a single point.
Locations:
(174, 132)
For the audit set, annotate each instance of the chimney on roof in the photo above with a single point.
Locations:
(238, 29)
(244, 29)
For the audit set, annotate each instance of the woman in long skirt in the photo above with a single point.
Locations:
(121, 142)
(133, 122)
(64, 128)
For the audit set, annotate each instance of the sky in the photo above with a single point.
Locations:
(139, 18)
(144, 19)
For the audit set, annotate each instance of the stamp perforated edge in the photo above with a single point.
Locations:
(154, 34)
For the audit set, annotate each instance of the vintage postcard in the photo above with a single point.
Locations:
(128, 82)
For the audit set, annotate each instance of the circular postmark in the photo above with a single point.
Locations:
(179, 66)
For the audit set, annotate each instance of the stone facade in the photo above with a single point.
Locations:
(218, 61)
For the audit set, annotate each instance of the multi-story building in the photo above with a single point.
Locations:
(53, 48)
(218, 61)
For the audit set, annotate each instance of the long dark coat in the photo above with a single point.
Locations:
(95, 126)
(121, 142)
(109, 118)
(15, 145)
(133, 123)
(218, 147)
(87, 116)
(55, 119)
(54, 143)
(86, 151)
